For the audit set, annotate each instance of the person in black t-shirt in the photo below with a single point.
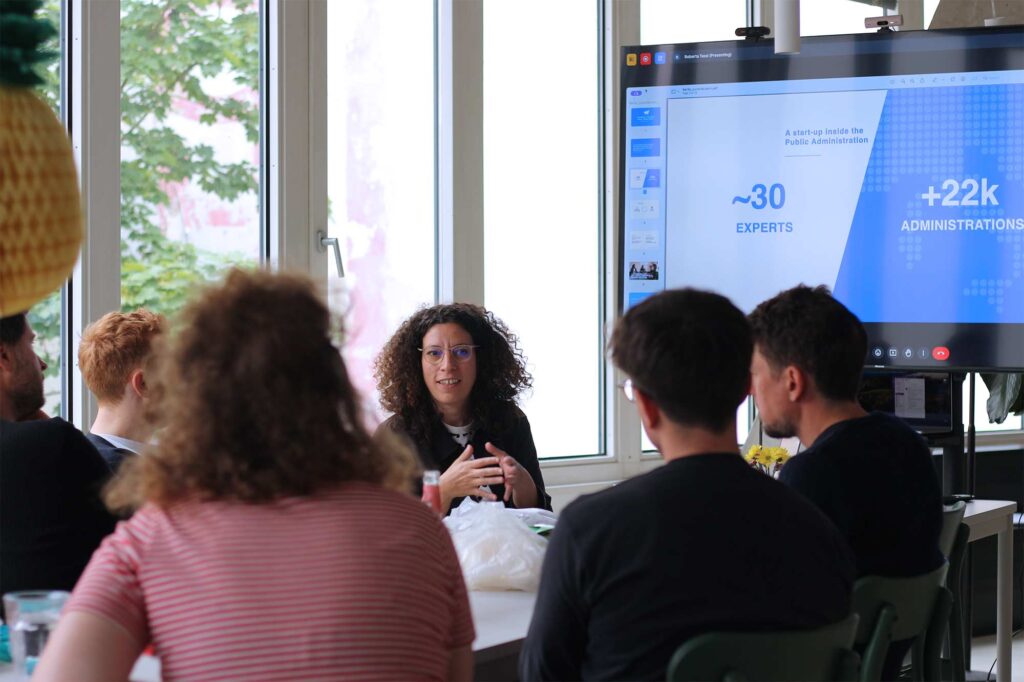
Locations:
(704, 543)
(871, 474)
(51, 516)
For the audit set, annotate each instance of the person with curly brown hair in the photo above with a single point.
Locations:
(450, 376)
(276, 539)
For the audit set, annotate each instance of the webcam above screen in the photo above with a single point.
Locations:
(888, 167)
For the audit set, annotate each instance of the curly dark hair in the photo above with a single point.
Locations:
(255, 403)
(500, 372)
(810, 329)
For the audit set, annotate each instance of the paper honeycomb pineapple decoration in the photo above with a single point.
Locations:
(40, 209)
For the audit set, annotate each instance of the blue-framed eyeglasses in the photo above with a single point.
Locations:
(461, 353)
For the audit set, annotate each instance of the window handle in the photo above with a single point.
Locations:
(325, 242)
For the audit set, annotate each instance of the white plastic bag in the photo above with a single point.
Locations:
(533, 516)
(497, 551)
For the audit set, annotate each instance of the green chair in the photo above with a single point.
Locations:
(951, 518)
(953, 543)
(896, 609)
(955, 667)
(820, 654)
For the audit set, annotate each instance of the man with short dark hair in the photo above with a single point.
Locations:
(51, 516)
(21, 371)
(704, 543)
(870, 473)
(113, 356)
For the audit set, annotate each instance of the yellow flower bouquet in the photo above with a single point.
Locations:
(768, 461)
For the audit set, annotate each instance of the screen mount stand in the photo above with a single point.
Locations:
(958, 446)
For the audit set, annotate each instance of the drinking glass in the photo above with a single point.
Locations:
(31, 616)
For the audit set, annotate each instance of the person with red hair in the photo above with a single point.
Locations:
(113, 356)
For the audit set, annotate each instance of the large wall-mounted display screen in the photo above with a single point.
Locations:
(889, 167)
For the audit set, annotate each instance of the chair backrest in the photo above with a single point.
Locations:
(957, 655)
(819, 654)
(895, 609)
(951, 518)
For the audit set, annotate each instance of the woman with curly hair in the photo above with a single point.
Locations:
(276, 538)
(450, 376)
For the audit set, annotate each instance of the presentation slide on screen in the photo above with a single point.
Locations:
(747, 185)
(907, 202)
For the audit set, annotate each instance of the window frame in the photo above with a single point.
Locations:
(622, 456)
(293, 200)
(94, 120)
(293, 122)
(91, 53)
(459, 159)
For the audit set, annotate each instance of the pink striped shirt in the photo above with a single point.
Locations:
(358, 583)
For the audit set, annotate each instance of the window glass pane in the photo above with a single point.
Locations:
(541, 198)
(672, 21)
(189, 145)
(742, 427)
(380, 169)
(50, 88)
(835, 17)
(981, 420)
(45, 316)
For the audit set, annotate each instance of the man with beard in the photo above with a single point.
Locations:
(870, 473)
(701, 544)
(51, 516)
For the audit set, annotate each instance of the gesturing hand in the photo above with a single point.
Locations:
(519, 485)
(466, 476)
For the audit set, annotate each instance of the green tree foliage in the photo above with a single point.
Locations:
(170, 50)
(45, 317)
(23, 42)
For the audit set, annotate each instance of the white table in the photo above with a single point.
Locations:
(501, 620)
(995, 517)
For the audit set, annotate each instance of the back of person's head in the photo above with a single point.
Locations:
(12, 328)
(811, 330)
(113, 347)
(689, 351)
(254, 402)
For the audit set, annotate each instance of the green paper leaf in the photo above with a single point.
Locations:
(22, 35)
